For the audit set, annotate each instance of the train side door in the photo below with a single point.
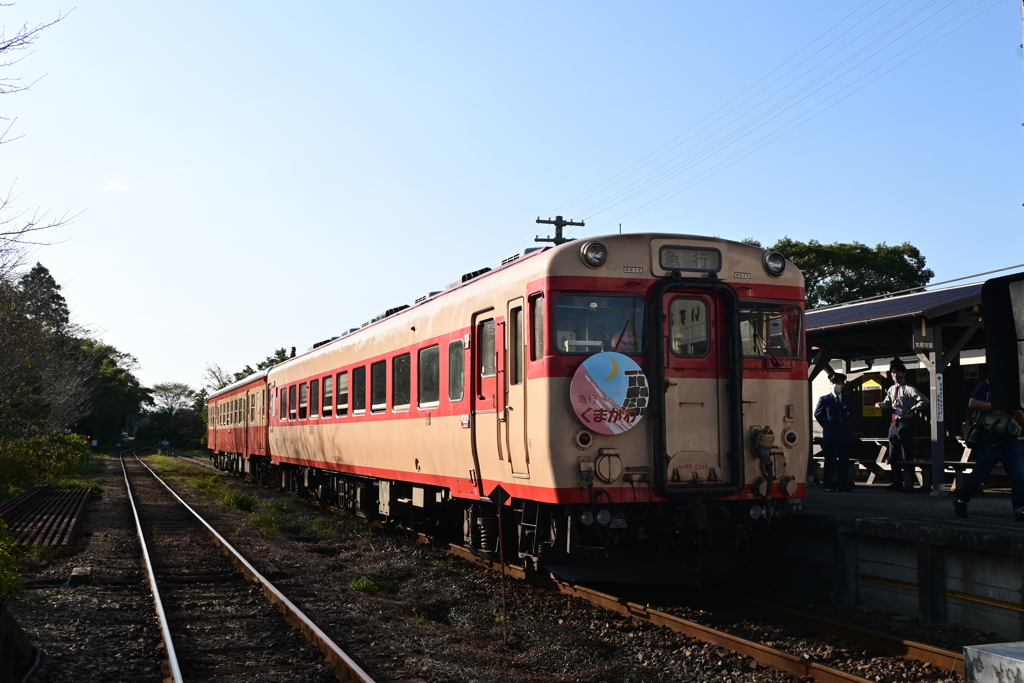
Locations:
(487, 399)
(513, 417)
(695, 438)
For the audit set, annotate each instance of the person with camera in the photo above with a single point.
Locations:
(833, 413)
(994, 439)
(906, 402)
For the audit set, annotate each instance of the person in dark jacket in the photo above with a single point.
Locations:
(996, 441)
(834, 413)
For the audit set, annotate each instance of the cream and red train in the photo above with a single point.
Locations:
(633, 402)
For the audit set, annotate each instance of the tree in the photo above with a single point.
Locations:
(216, 378)
(243, 373)
(171, 397)
(279, 356)
(840, 272)
(178, 417)
(116, 394)
(45, 302)
(44, 371)
(18, 228)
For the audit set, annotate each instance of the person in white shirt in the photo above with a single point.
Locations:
(905, 402)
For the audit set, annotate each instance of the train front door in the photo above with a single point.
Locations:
(695, 408)
(488, 394)
(512, 421)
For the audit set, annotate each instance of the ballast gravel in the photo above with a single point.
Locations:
(405, 612)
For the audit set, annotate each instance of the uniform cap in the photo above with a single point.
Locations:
(837, 378)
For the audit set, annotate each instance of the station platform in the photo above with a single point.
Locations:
(906, 553)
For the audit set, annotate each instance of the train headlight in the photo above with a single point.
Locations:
(594, 254)
(587, 518)
(603, 517)
(790, 438)
(774, 263)
(755, 512)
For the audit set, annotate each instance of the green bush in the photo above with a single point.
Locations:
(364, 585)
(209, 484)
(8, 563)
(246, 502)
(24, 463)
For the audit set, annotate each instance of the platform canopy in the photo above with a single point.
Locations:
(912, 324)
(934, 325)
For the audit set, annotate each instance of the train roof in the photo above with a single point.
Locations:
(240, 383)
(476, 276)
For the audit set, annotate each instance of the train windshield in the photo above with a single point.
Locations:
(588, 323)
(771, 329)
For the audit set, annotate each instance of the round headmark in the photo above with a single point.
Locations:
(609, 393)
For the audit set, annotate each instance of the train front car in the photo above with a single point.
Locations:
(677, 399)
(635, 405)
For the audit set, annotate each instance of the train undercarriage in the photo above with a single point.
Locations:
(683, 542)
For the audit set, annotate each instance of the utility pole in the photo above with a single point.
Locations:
(559, 223)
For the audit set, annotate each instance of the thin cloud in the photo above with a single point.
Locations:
(116, 186)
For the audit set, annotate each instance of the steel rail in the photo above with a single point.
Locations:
(165, 630)
(777, 659)
(947, 660)
(345, 668)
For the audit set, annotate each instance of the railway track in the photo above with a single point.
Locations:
(776, 657)
(782, 651)
(214, 623)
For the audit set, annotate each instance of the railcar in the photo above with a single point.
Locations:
(626, 406)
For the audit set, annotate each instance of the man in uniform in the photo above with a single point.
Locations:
(905, 402)
(833, 414)
(995, 441)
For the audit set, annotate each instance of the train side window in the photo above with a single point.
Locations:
(688, 326)
(314, 398)
(456, 371)
(537, 327)
(292, 402)
(429, 371)
(515, 346)
(303, 401)
(359, 390)
(401, 382)
(252, 409)
(487, 349)
(328, 395)
(343, 393)
(378, 386)
(283, 412)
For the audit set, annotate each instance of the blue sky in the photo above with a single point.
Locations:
(257, 175)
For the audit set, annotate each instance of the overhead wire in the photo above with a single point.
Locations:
(699, 156)
(750, 128)
(740, 94)
(765, 140)
(708, 147)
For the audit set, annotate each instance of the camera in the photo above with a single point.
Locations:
(974, 435)
(1013, 429)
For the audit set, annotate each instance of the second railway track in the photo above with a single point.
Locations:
(218, 622)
